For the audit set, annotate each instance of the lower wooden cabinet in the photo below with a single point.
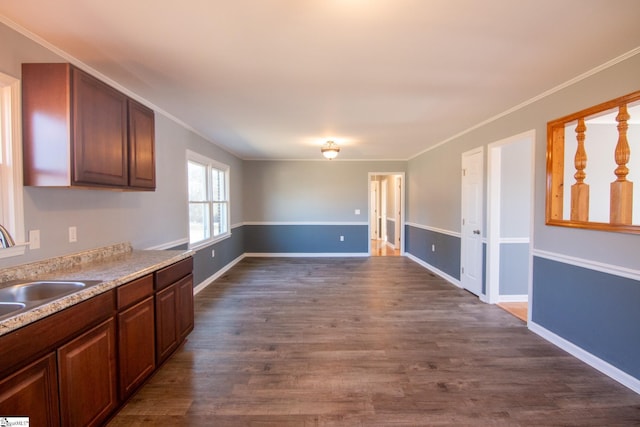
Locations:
(136, 345)
(87, 373)
(76, 367)
(32, 392)
(166, 333)
(174, 316)
(185, 315)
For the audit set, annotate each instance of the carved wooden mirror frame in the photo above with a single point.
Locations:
(621, 189)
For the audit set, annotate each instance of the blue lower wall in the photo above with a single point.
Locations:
(514, 268)
(226, 251)
(446, 258)
(596, 311)
(296, 239)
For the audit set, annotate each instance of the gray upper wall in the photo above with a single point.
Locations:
(146, 219)
(434, 176)
(515, 206)
(310, 191)
(433, 186)
(319, 191)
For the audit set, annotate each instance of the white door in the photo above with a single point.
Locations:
(472, 221)
(373, 220)
(398, 216)
(383, 209)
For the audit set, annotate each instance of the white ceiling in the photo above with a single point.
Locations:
(386, 79)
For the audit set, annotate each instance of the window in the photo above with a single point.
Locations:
(11, 208)
(208, 199)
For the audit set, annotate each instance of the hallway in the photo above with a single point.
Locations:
(373, 341)
(381, 248)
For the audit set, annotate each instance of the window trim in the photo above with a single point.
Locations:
(211, 164)
(11, 144)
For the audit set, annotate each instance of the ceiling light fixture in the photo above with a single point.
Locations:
(330, 150)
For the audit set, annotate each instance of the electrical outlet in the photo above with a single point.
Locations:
(357, 211)
(433, 248)
(73, 234)
(34, 239)
(213, 253)
(342, 238)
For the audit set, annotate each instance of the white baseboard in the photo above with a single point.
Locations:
(513, 298)
(428, 266)
(588, 358)
(216, 275)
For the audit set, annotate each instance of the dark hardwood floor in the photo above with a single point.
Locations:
(374, 341)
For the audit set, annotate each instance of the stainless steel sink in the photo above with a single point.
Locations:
(24, 295)
(41, 290)
(7, 308)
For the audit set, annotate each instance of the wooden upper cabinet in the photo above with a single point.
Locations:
(142, 171)
(46, 124)
(80, 132)
(100, 154)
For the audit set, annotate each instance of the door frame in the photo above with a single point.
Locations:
(494, 163)
(402, 206)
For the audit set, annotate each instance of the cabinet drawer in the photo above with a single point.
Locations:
(135, 291)
(172, 273)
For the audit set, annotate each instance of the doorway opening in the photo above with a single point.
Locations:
(510, 223)
(386, 213)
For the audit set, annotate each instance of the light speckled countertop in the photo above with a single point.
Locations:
(113, 266)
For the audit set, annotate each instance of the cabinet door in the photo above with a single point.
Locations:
(136, 345)
(100, 147)
(46, 97)
(32, 392)
(142, 170)
(87, 373)
(184, 292)
(166, 332)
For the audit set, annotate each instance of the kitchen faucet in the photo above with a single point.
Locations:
(6, 241)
